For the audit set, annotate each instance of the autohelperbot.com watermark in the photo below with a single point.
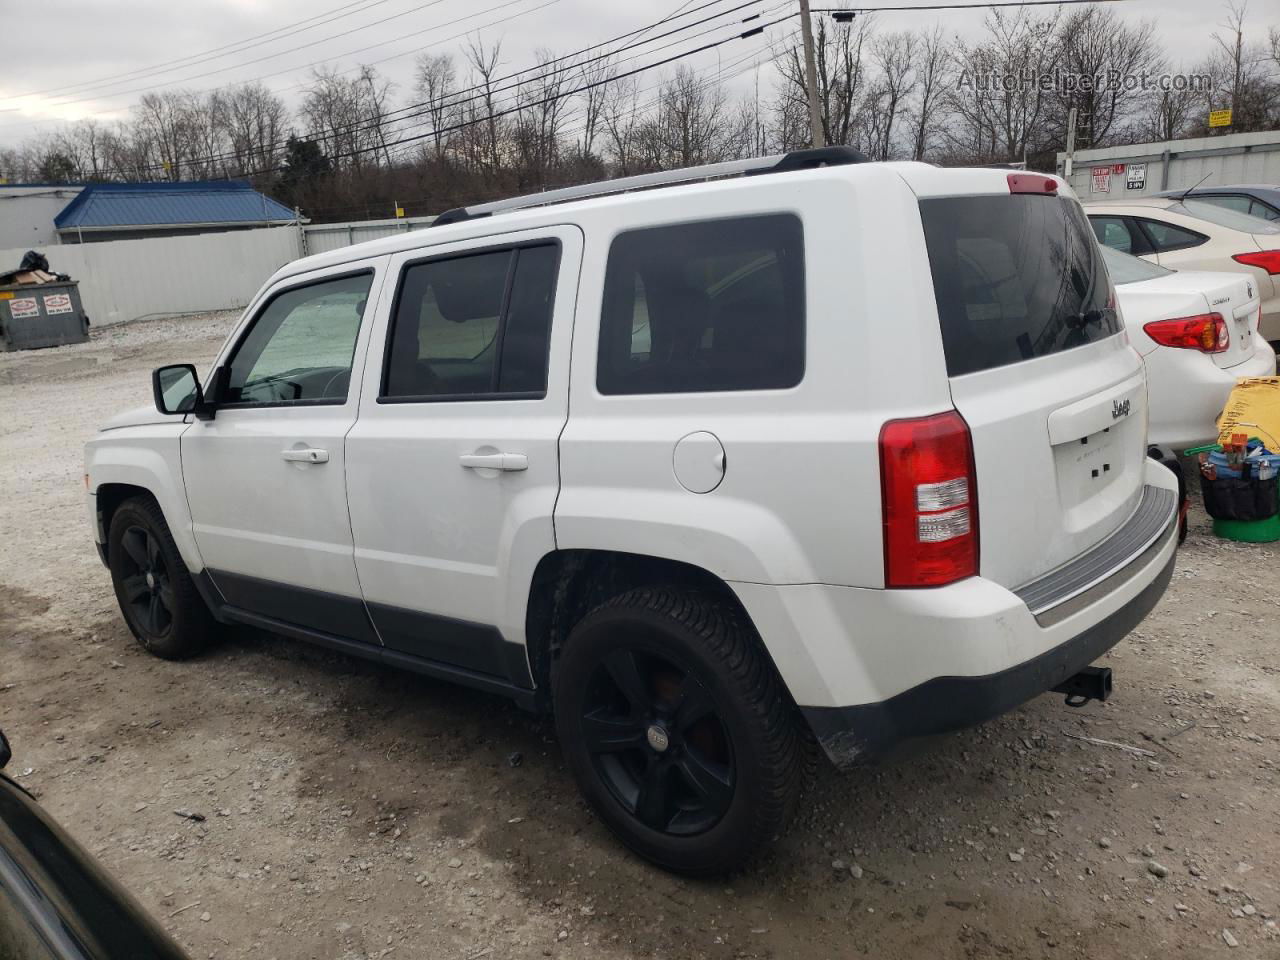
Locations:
(1062, 81)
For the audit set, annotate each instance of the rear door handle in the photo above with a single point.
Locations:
(494, 461)
(305, 455)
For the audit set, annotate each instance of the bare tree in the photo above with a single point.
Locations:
(620, 114)
(933, 72)
(484, 64)
(996, 113)
(541, 114)
(345, 114)
(1095, 44)
(164, 119)
(693, 124)
(594, 79)
(436, 88)
(1168, 115)
(842, 69)
(255, 122)
(894, 56)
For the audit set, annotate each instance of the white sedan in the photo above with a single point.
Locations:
(1193, 235)
(1198, 334)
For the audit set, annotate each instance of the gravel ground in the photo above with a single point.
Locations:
(355, 812)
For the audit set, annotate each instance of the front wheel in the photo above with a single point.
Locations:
(677, 729)
(157, 596)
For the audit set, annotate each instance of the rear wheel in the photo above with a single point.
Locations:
(157, 596)
(677, 729)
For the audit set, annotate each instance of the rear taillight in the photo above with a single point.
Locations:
(1268, 260)
(930, 503)
(1206, 333)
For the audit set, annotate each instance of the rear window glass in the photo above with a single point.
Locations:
(1231, 219)
(1015, 278)
(695, 307)
(1126, 269)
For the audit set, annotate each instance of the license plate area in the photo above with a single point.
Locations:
(1098, 473)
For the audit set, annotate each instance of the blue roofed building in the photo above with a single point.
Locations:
(131, 211)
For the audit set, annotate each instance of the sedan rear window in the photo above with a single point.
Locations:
(1126, 269)
(1015, 277)
(1231, 219)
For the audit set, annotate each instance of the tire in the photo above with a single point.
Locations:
(677, 729)
(157, 596)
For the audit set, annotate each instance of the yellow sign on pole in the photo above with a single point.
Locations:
(399, 211)
(1220, 118)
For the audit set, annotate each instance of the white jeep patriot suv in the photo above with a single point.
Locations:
(712, 464)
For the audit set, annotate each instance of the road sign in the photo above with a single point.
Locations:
(1101, 181)
(1220, 118)
(1137, 176)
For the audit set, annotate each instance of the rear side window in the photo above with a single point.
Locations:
(1015, 277)
(1165, 237)
(708, 306)
(473, 327)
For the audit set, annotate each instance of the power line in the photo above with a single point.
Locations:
(565, 93)
(573, 131)
(397, 39)
(959, 6)
(213, 53)
(455, 99)
(269, 56)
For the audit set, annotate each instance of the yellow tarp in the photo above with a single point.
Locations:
(1254, 409)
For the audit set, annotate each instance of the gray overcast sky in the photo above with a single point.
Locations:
(87, 41)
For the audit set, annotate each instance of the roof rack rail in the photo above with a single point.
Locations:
(755, 166)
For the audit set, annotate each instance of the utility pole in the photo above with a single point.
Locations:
(1071, 145)
(811, 78)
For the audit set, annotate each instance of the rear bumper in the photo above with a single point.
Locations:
(951, 703)
(869, 667)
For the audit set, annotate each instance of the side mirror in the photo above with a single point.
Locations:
(177, 389)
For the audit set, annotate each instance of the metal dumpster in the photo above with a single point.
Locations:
(41, 315)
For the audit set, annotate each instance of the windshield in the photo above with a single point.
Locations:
(1015, 277)
(1126, 269)
(1232, 219)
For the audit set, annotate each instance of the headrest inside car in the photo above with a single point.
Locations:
(466, 290)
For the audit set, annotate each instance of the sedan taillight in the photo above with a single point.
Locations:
(1207, 333)
(1268, 260)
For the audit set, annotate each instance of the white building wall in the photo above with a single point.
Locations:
(124, 280)
(26, 215)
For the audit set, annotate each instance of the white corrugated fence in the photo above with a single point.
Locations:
(123, 280)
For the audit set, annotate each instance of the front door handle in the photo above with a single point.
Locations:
(305, 455)
(495, 461)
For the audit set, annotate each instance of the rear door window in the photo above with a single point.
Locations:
(474, 326)
(1015, 278)
(707, 306)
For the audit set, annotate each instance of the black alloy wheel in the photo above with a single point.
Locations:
(157, 596)
(677, 728)
(145, 582)
(657, 742)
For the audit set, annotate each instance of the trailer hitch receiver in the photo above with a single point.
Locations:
(1091, 683)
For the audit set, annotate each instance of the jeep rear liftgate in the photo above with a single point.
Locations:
(1059, 441)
